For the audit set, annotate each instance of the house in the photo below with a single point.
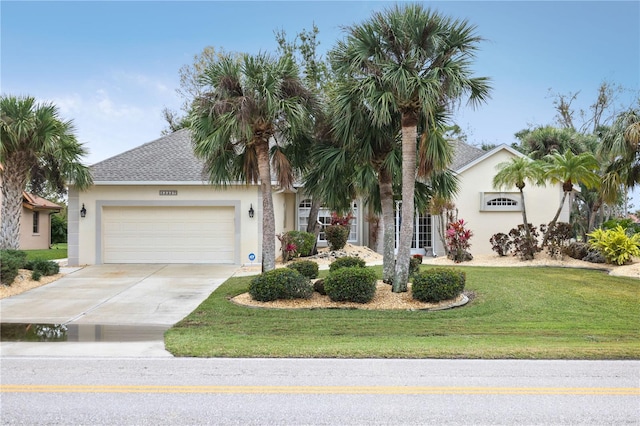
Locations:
(153, 204)
(35, 222)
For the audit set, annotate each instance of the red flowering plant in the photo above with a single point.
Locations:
(458, 241)
(337, 233)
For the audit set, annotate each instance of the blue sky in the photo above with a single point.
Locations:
(113, 66)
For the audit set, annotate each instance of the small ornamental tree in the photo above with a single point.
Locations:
(458, 241)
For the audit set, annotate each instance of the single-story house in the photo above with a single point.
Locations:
(35, 222)
(153, 204)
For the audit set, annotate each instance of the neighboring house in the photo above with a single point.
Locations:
(153, 204)
(35, 222)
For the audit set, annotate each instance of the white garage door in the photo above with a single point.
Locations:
(168, 235)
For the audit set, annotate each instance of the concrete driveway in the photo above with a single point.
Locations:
(104, 299)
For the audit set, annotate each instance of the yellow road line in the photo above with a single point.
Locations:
(354, 390)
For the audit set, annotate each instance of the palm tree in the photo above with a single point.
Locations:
(35, 146)
(622, 142)
(515, 173)
(570, 169)
(250, 108)
(410, 61)
(546, 140)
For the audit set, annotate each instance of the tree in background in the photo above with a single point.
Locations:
(249, 109)
(412, 61)
(36, 146)
(317, 77)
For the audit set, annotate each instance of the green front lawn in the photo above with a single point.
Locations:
(529, 313)
(58, 251)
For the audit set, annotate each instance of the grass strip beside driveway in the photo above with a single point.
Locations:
(520, 313)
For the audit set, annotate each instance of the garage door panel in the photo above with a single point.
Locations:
(169, 235)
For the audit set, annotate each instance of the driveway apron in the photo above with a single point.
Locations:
(156, 295)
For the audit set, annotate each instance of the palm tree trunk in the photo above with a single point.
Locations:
(527, 231)
(312, 223)
(268, 219)
(388, 228)
(409, 132)
(14, 180)
(594, 213)
(554, 220)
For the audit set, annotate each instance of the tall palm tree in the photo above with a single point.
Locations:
(517, 172)
(569, 169)
(251, 107)
(35, 145)
(410, 61)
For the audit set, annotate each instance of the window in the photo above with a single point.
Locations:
(500, 201)
(421, 231)
(36, 222)
(324, 217)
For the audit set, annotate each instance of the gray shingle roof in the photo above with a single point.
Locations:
(167, 159)
(171, 159)
(464, 154)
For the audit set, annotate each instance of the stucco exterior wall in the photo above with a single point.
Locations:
(541, 203)
(85, 233)
(39, 240)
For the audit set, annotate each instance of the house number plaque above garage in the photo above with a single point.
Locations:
(168, 192)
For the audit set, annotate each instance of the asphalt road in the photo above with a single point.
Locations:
(180, 391)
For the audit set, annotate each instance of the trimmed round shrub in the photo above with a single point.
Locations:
(281, 283)
(318, 287)
(36, 275)
(347, 262)
(336, 236)
(437, 284)
(44, 267)
(10, 262)
(308, 268)
(353, 284)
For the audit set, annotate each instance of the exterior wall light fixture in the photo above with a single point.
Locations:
(83, 211)
(251, 211)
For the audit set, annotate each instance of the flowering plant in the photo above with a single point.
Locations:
(336, 219)
(458, 241)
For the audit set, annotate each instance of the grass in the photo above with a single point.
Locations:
(524, 313)
(57, 251)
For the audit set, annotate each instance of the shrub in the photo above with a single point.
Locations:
(500, 243)
(308, 268)
(44, 267)
(558, 237)
(304, 242)
(281, 283)
(318, 286)
(435, 285)
(10, 262)
(628, 224)
(336, 236)
(577, 250)
(347, 262)
(594, 256)
(36, 275)
(353, 284)
(414, 266)
(418, 257)
(525, 248)
(615, 245)
(457, 238)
